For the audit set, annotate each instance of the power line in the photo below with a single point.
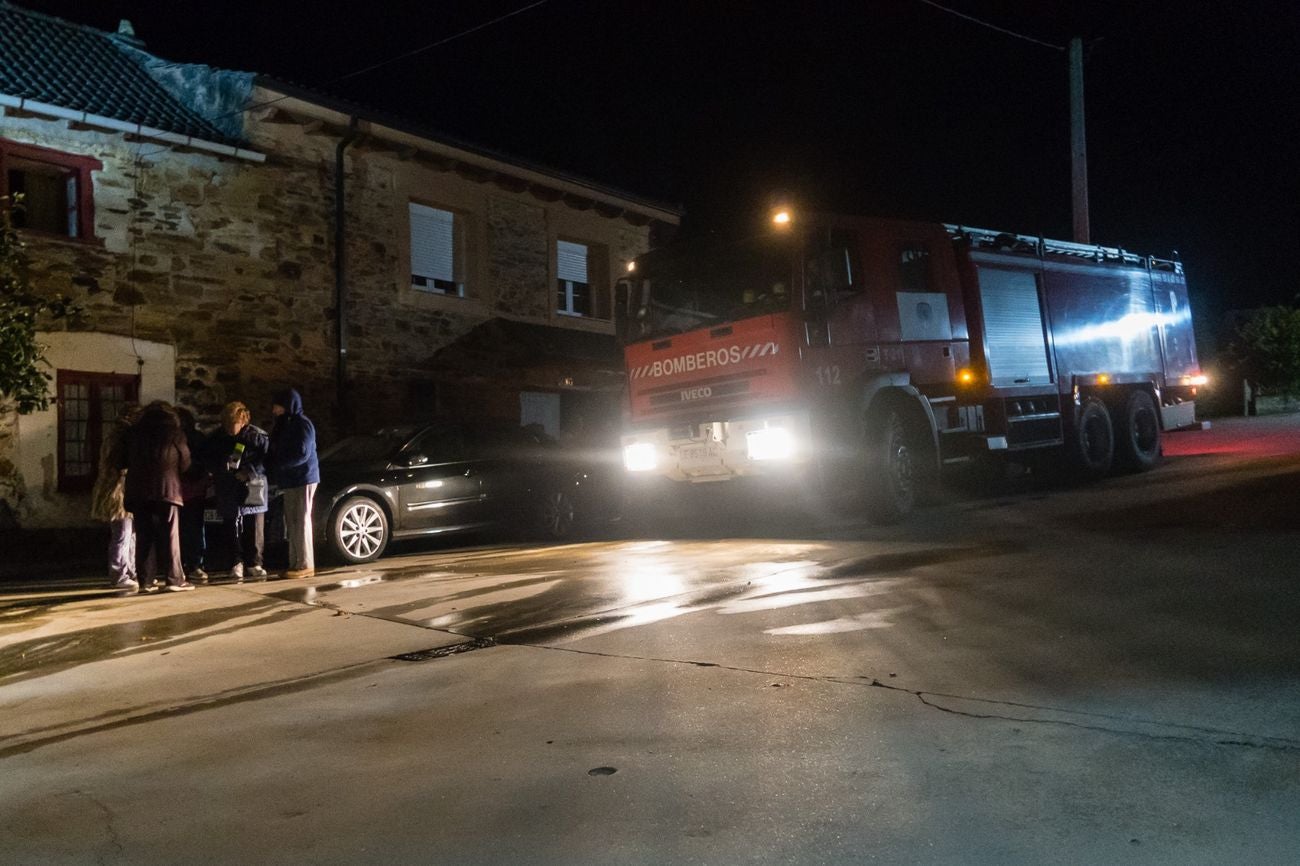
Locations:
(439, 43)
(990, 26)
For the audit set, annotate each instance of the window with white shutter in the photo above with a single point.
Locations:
(437, 257)
(573, 289)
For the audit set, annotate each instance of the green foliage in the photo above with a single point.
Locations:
(22, 379)
(1266, 349)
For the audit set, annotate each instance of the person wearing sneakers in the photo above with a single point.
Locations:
(194, 490)
(106, 501)
(292, 466)
(155, 457)
(236, 455)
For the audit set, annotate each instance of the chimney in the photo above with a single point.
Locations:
(126, 34)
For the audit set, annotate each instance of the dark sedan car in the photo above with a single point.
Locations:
(403, 482)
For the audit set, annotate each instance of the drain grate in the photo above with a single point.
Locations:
(443, 651)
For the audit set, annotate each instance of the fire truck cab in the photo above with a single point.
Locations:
(862, 355)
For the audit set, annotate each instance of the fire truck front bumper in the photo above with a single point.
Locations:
(776, 445)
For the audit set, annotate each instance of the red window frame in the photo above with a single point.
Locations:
(94, 420)
(79, 167)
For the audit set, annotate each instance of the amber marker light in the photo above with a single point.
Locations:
(1103, 378)
(781, 217)
(966, 377)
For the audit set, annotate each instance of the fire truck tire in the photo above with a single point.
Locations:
(1093, 440)
(891, 469)
(1137, 433)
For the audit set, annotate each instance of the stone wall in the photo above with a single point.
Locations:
(231, 262)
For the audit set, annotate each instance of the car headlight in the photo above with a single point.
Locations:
(770, 443)
(640, 457)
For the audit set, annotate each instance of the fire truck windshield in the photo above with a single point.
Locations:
(680, 289)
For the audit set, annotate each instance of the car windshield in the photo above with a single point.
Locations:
(678, 290)
(366, 447)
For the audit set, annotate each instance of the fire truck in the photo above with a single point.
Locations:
(860, 356)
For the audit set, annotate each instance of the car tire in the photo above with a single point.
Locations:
(1092, 442)
(358, 530)
(556, 516)
(1137, 433)
(891, 481)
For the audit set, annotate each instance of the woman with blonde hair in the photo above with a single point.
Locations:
(106, 501)
(236, 458)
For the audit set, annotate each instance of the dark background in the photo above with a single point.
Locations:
(887, 107)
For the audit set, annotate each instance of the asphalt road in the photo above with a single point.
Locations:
(1027, 672)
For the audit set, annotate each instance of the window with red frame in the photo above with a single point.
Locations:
(89, 404)
(56, 189)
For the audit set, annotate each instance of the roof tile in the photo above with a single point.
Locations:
(57, 62)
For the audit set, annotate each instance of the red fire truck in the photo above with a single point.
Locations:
(862, 355)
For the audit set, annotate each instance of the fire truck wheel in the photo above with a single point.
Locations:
(891, 467)
(557, 515)
(1137, 433)
(1093, 442)
(358, 531)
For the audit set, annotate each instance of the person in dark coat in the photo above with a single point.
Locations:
(194, 490)
(155, 457)
(292, 465)
(233, 467)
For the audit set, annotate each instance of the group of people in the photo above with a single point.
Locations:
(155, 471)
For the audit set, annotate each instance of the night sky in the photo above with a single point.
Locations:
(886, 107)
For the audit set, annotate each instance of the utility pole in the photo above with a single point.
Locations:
(1078, 144)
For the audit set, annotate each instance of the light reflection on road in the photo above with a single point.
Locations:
(563, 593)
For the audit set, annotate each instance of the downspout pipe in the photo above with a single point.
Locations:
(340, 277)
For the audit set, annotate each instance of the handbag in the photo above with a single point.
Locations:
(256, 495)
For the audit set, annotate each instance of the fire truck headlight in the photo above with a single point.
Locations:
(640, 457)
(771, 443)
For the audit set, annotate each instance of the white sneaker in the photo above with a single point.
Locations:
(126, 583)
(257, 571)
(237, 572)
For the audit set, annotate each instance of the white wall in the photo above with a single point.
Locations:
(37, 460)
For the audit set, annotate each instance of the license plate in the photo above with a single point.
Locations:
(210, 516)
(699, 456)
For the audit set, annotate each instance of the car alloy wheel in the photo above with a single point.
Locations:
(360, 530)
(557, 515)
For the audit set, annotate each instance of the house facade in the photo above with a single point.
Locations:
(196, 216)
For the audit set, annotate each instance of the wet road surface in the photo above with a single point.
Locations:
(1026, 673)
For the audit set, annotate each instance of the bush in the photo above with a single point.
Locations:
(24, 383)
(1266, 349)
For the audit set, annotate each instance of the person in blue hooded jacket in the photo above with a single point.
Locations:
(292, 466)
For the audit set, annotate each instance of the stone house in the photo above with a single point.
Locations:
(226, 234)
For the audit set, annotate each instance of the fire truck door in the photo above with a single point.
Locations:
(837, 315)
